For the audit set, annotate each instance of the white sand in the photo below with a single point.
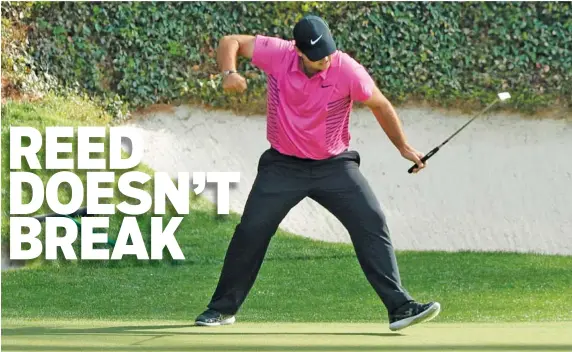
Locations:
(504, 183)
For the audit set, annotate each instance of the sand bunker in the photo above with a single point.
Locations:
(503, 184)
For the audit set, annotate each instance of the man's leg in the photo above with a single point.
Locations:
(276, 190)
(345, 192)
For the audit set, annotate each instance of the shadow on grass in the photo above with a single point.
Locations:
(136, 330)
(152, 332)
(271, 348)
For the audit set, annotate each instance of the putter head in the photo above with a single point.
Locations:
(504, 96)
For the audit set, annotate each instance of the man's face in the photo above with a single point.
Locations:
(316, 66)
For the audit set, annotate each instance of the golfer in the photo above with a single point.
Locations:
(311, 88)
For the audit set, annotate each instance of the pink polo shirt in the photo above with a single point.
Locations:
(309, 117)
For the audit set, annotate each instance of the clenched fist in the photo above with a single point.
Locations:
(234, 83)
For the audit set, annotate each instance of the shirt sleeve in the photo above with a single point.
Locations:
(270, 52)
(362, 85)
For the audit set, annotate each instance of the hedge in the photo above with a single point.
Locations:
(441, 52)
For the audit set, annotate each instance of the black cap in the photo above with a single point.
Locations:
(313, 37)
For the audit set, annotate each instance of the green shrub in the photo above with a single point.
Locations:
(155, 52)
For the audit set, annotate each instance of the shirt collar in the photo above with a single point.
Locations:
(296, 65)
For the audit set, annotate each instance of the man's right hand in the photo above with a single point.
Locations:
(234, 83)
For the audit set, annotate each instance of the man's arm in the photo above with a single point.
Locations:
(387, 118)
(229, 47)
(232, 45)
(266, 53)
(389, 121)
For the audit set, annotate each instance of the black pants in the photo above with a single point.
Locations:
(338, 185)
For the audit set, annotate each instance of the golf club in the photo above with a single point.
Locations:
(500, 97)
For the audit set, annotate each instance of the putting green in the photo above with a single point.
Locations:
(170, 336)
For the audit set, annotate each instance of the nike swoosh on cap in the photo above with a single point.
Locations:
(315, 41)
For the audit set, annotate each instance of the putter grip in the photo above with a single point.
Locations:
(424, 159)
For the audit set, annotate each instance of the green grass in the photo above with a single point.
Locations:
(301, 280)
(132, 336)
(51, 111)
